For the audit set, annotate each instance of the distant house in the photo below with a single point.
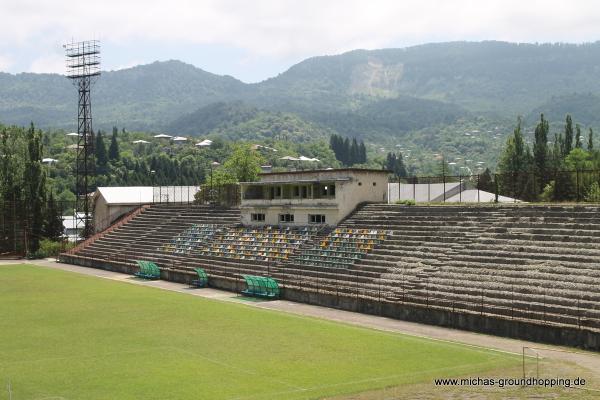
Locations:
(180, 140)
(204, 143)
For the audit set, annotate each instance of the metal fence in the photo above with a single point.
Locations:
(530, 186)
(222, 195)
(17, 229)
(375, 296)
(219, 195)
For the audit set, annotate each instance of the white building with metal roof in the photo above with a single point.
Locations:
(110, 203)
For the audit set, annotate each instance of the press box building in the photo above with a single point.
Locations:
(310, 197)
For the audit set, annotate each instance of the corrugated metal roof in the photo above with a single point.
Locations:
(147, 194)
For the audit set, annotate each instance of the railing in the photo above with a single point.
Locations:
(482, 304)
(222, 195)
(581, 185)
(120, 222)
(351, 284)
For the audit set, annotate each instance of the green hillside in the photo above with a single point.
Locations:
(415, 95)
(143, 97)
(586, 106)
(390, 118)
(504, 79)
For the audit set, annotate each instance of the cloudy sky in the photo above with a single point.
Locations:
(256, 39)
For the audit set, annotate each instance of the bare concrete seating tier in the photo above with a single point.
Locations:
(536, 264)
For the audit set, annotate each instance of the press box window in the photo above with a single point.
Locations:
(301, 191)
(328, 190)
(275, 192)
(316, 218)
(286, 217)
(257, 217)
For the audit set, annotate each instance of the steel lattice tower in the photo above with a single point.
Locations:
(83, 68)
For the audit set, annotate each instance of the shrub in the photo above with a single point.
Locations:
(593, 193)
(406, 202)
(49, 248)
(548, 192)
(39, 253)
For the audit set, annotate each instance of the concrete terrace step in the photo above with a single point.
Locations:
(533, 262)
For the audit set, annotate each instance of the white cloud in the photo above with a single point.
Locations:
(5, 62)
(48, 63)
(294, 29)
(129, 64)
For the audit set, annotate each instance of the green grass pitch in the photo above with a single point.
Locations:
(70, 336)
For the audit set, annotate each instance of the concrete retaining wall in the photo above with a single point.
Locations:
(518, 329)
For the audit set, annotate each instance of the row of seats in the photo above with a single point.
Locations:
(342, 247)
(269, 244)
(196, 235)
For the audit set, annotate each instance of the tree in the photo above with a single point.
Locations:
(577, 160)
(362, 151)
(591, 140)
(485, 181)
(515, 157)
(244, 164)
(354, 157)
(540, 150)
(35, 187)
(100, 151)
(113, 150)
(53, 228)
(348, 152)
(346, 160)
(577, 136)
(13, 153)
(557, 151)
(515, 167)
(395, 163)
(568, 143)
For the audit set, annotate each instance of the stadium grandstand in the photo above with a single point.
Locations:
(330, 238)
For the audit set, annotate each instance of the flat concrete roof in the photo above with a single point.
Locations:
(296, 181)
(311, 171)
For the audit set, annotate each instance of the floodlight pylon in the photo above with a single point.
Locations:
(83, 69)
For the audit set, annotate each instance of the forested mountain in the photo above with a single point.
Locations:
(381, 96)
(390, 118)
(142, 97)
(216, 115)
(497, 77)
(586, 106)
